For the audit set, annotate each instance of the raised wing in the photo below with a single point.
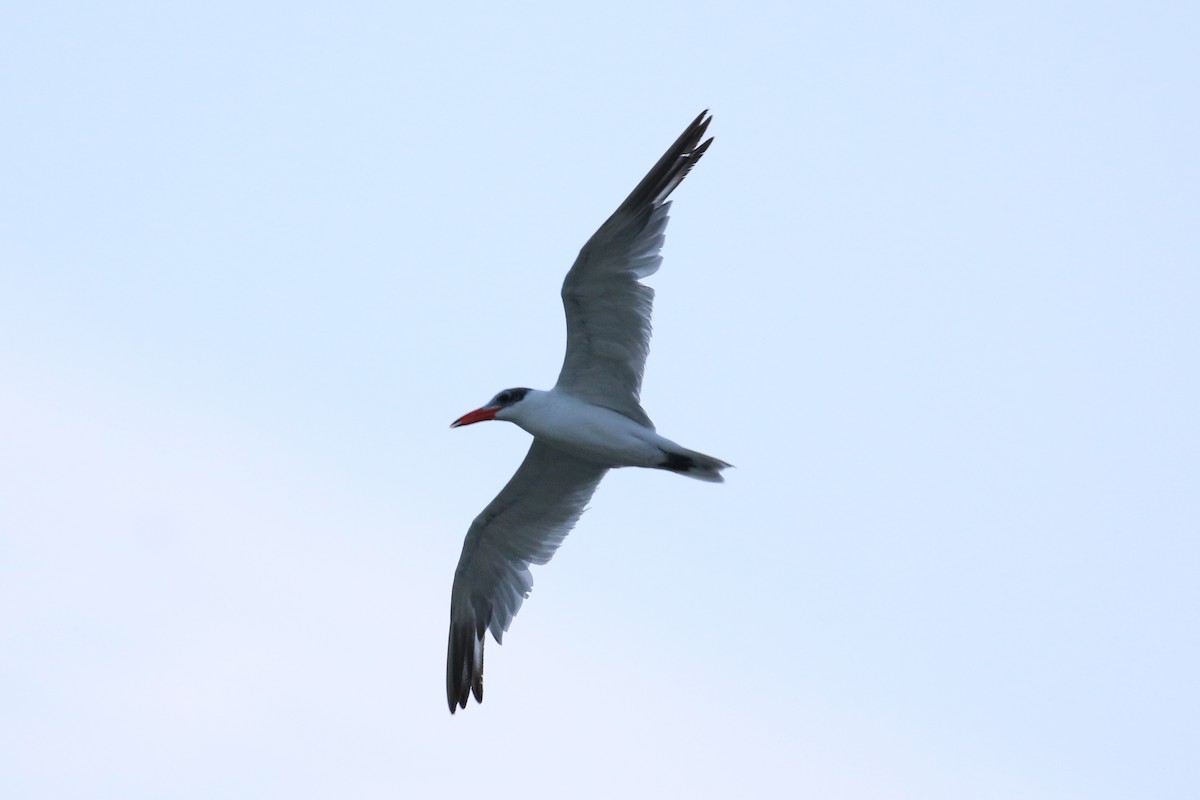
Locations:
(608, 309)
(524, 525)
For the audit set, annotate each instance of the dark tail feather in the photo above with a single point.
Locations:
(694, 465)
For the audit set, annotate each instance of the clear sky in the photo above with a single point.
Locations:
(933, 290)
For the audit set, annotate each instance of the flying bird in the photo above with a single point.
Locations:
(590, 422)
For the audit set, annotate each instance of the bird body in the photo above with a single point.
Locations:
(589, 422)
(590, 432)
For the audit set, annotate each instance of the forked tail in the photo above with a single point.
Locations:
(693, 464)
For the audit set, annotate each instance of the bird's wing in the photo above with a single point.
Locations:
(524, 525)
(608, 309)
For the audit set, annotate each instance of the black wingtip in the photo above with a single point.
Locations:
(671, 169)
(700, 127)
(464, 666)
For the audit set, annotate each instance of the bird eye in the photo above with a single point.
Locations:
(503, 398)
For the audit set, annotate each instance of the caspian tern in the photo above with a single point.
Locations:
(589, 423)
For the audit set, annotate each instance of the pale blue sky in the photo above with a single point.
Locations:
(934, 290)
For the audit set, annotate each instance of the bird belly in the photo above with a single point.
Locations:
(597, 434)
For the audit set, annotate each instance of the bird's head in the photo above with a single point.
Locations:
(496, 408)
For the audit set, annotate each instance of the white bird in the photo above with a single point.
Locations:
(590, 422)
